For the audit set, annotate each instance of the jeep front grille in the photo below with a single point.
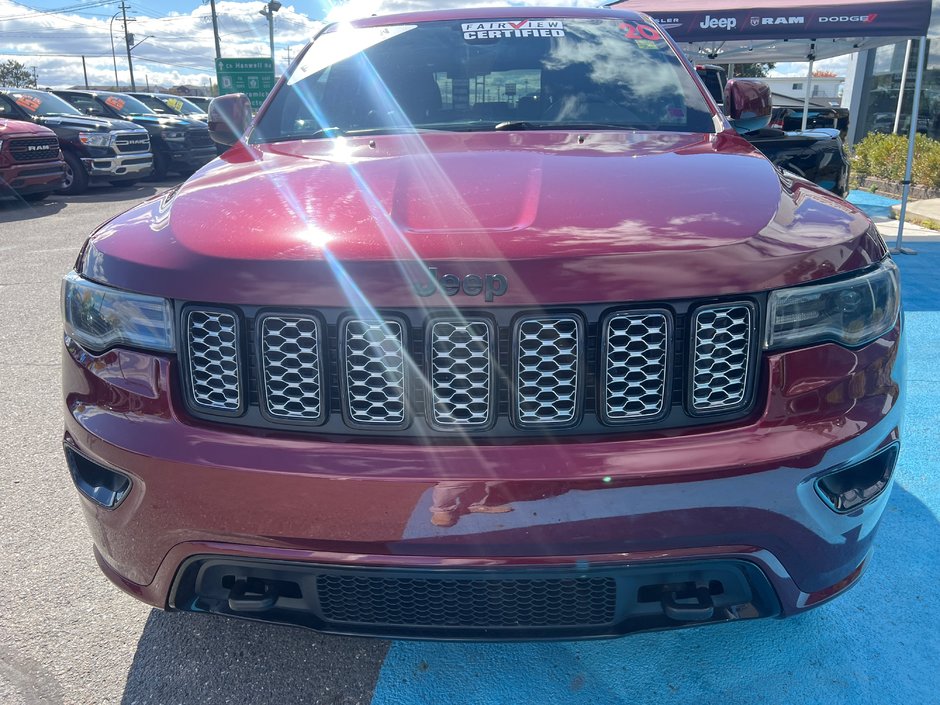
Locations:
(547, 370)
(721, 357)
(374, 358)
(213, 360)
(461, 373)
(636, 365)
(290, 364)
(580, 370)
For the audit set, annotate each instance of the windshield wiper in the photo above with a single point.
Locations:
(520, 125)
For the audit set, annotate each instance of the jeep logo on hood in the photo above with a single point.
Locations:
(490, 285)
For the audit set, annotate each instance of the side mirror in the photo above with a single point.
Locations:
(229, 118)
(747, 104)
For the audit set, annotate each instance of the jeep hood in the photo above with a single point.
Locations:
(614, 216)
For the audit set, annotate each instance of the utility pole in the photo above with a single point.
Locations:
(85, 71)
(268, 11)
(215, 30)
(35, 77)
(127, 44)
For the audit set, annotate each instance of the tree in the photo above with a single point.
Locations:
(15, 75)
(825, 74)
(752, 70)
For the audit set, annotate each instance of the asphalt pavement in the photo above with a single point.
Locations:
(68, 636)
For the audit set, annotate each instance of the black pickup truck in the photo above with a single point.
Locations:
(818, 154)
(179, 144)
(94, 149)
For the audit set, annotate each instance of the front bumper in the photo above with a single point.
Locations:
(190, 159)
(134, 165)
(35, 177)
(687, 500)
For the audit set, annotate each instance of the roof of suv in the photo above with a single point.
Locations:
(497, 13)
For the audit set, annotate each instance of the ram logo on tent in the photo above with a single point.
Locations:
(764, 21)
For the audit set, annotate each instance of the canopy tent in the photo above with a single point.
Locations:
(750, 31)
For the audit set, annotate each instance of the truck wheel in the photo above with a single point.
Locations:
(160, 167)
(76, 178)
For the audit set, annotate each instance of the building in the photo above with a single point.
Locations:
(824, 90)
(873, 84)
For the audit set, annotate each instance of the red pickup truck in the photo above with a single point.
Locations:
(31, 164)
(489, 325)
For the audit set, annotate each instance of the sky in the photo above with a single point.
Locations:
(174, 37)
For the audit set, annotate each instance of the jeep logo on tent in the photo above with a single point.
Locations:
(710, 22)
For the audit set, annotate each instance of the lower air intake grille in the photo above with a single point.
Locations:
(547, 353)
(375, 371)
(467, 603)
(212, 338)
(721, 357)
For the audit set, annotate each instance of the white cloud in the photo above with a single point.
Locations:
(839, 65)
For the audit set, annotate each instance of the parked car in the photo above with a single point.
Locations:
(179, 145)
(94, 149)
(169, 104)
(791, 119)
(200, 101)
(415, 358)
(817, 155)
(31, 165)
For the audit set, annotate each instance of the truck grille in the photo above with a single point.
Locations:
(132, 142)
(34, 149)
(591, 370)
(197, 139)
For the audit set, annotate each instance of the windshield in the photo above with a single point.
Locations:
(181, 105)
(156, 105)
(125, 105)
(485, 75)
(40, 103)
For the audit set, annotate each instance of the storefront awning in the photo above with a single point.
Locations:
(783, 30)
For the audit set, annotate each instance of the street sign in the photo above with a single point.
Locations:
(254, 77)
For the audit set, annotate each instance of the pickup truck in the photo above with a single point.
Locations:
(94, 149)
(816, 154)
(561, 357)
(31, 165)
(179, 145)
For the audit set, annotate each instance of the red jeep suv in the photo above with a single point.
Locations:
(488, 326)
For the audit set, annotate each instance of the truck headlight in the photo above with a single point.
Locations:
(174, 135)
(851, 311)
(95, 139)
(101, 317)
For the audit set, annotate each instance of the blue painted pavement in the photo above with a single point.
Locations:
(879, 643)
(877, 207)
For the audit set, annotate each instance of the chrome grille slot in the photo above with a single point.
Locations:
(374, 364)
(461, 374)
(132, 142)
(721, 357)
(212, 342)
(290, 361)
(636, 365)
(548, 372)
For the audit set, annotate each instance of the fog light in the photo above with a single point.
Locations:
(851, 487)
(100, 484)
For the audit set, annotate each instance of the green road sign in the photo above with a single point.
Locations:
(254, 77)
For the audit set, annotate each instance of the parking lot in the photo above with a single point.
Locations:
(68, 636)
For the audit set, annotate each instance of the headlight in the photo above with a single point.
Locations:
(100, 317)
(852, 311)
(174, 135)
(95, 139)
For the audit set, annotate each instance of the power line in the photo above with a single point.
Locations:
(35, 12)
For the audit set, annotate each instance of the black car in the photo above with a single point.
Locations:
(818, 155)
(94, 148)
(179, 144)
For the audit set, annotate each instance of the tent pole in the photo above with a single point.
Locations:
(809, 84)
(899, 248)
(907, 63)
